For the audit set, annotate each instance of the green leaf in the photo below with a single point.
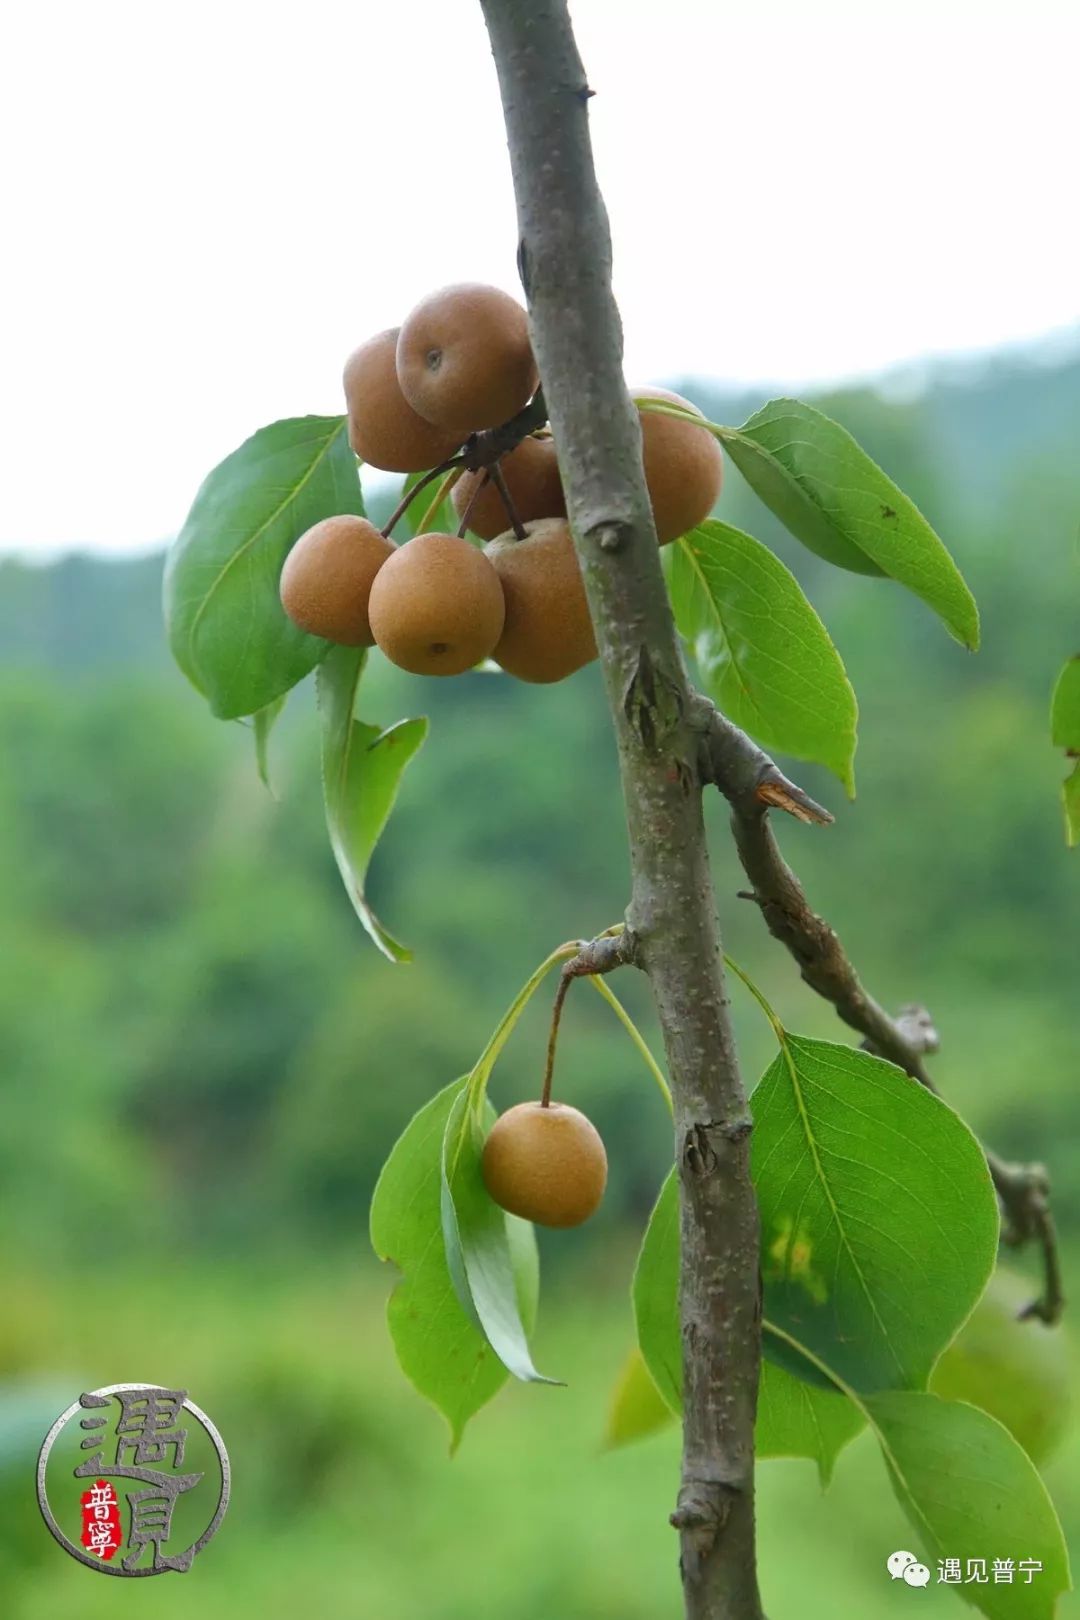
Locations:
(838, 502)
(655, 1294)
(1016, 1368)
(970, 1492)
(476, 1231)
(1070, 804)
(362, 768)
(637, 1407)
(477, 1240)
(227, 628)
(525, 1258)
(879, 1224)
(263, 722)
(1065, 733)
(765, 657)
(433, 1317)
(440, 1349)
(1065, 708)
(879, 1221)
(795, 1419)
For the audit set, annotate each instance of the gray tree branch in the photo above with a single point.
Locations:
(565, 261)
(735, 765)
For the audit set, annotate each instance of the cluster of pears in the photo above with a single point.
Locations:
(461, 363)
(545, 1162)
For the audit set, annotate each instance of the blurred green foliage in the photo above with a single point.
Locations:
(204, 1061)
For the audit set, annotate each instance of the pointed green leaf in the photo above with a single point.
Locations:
(637, 1407)
(227, 628)
(795, 1419)
(765, 657)
(1065, 733)
(655, 1293)
(525, 1259)
(434, 1320)
(440, 1349)
(838, 502)
(362, 768)
(878, 1217)
(971, 1493)
(1070, 804)
(476, 1238)
(476, 1232)
(1065, 708)
(263, 722)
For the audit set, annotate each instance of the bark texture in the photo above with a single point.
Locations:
(565, 263)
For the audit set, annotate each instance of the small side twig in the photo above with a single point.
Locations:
(484, 449)
(595, 956)
(1022, 1189)
(743, 772)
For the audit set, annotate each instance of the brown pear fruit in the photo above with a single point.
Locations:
(547, 1165)
(464, 360)
(531, 473)
(547, 633)
(683, 466)
(384, 430)
(327, 578)
(437, 606)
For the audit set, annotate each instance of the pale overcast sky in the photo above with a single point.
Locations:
(205, 206)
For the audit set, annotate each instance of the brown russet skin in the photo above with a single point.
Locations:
(384, 430)
(464, 360)
(531, 473)
(547, 633)
(327, 578)
(683, 464)
(437, 606)
(547, 1165)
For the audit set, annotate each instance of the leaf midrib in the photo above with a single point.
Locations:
(812, 1144)
(857, 1401)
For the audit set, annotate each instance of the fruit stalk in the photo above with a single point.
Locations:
(616, 948)
(565, 259)
(556, 1017)
(471, 502)
(500, 484)
(410, 494)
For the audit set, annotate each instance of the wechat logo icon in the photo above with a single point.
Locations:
(904, 1566)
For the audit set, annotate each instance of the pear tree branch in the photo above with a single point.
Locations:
(741, 771)
(565, 262)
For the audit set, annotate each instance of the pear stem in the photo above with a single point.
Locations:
(410, 494)
(565, 981)
(473, 498)
(500, 484)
